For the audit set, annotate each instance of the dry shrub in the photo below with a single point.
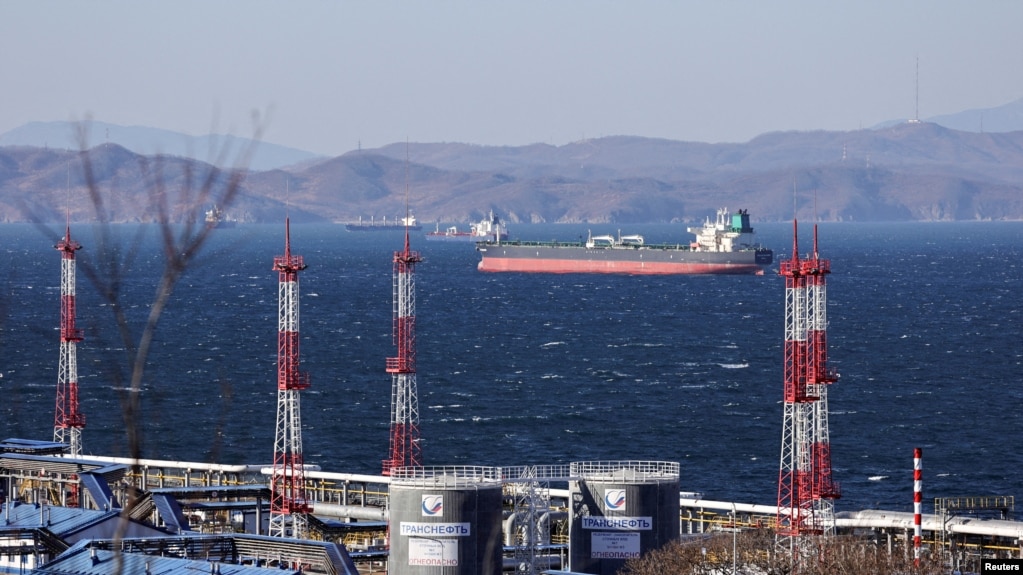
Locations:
(756, 553)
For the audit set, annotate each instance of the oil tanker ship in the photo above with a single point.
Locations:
(723, 246)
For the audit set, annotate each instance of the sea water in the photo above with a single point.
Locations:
(925, 327)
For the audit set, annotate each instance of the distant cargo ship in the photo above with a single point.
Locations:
(398, 224)
(215, 219)
(724, 246)
(487, 229)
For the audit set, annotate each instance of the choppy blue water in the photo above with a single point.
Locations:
(926, 329)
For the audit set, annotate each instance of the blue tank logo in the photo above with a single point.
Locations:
(614, 499)
(433, 505)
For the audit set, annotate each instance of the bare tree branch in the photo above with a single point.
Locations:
(183, 232)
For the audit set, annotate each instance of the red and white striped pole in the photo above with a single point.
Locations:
(918, 500)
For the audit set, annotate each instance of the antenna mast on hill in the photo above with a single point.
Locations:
(916, 111)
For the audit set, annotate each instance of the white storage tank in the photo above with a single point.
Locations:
(445, 521)
(620, 510)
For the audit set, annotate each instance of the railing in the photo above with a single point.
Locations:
(454, 475)
(626, 470)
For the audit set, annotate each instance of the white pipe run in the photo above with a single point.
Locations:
(874, 519)
(350, 511)
(186, 465)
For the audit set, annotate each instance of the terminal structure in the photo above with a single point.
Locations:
(587, 516)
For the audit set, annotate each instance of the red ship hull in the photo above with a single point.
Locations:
(615, 267)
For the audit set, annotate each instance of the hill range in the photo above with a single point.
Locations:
(906, 171)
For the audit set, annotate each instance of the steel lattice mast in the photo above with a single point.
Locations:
(820, 377)
(69, 421)
(796, 515)
(806, 488)
(405, 450)
(288, 504)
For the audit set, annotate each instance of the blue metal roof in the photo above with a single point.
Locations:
(99, 489)
(171, 512)
(81, 560)
(16, 445)
(61, 521)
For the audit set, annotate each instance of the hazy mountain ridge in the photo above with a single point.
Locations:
(909, 171)
(152, 141)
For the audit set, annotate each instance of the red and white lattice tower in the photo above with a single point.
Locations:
(795, 505)
(405, 450)
(918, 503)
(69, 421)
(825, 490)
(288, 504)
(806, 489)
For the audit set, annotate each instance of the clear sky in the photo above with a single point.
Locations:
(331, 75)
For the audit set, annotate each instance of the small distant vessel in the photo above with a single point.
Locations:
(486, 229)
(724, 246)
(398, 224)
(215, 219)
